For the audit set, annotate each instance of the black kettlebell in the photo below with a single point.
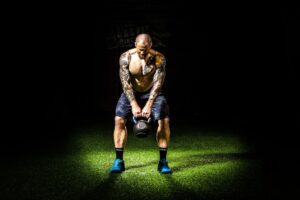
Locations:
(141, 127)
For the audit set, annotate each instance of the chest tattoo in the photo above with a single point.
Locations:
(148, 66)
(147, 69)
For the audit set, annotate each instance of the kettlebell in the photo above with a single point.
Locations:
(141, 127)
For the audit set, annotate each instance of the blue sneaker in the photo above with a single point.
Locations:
(163, 167)
(118, 167)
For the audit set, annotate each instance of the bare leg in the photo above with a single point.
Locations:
(120, 132)
(120, 137)
(163, 139)
(163, 133)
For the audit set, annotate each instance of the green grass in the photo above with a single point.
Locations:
(206, 165)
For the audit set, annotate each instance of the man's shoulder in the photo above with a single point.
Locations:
(157, 54)
(126, 54)
(160, 59)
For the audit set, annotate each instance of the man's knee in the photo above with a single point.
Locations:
(120, 122)
(164, 123)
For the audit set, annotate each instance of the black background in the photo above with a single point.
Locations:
(226, 68)
(231, 68)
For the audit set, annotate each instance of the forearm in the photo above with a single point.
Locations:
(158, 80)
(128, 91)
(150, 102)
(155, 91)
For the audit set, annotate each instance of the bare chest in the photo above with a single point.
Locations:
(140, 67)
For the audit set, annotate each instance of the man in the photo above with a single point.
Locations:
(142, 73)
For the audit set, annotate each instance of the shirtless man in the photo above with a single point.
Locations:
(142, 73)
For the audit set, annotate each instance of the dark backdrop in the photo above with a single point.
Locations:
(225, 68)
(230, 69)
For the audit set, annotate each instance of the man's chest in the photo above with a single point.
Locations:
(141, 67)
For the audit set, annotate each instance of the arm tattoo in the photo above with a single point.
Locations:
(158, 78)
(125, 76)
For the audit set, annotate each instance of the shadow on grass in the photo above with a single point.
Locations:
(141, 165)
(205, 159)
(103, 190)
(178, 191)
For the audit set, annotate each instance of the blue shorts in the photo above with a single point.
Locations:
(160, 108)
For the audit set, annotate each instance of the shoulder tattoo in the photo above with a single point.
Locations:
(124, 59)
(125, 76)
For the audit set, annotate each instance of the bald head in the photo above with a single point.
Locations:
(143, 40)
(142, 44)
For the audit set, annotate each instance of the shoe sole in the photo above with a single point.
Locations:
(117, 171)
(164, 172)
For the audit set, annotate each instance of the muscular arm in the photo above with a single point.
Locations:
(158, 80)
(159, 77)
(125, 76)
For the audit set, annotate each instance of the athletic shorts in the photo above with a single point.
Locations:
(160, 108)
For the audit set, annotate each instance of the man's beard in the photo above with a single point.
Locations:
(142, 56)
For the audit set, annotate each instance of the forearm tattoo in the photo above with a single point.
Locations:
(158, 78)
(125, 76)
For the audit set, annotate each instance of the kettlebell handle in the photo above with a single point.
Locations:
(135, 119)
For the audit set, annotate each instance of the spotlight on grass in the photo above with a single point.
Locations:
(206, 165)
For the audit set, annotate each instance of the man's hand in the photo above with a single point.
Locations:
(136, 110)
(146, 112)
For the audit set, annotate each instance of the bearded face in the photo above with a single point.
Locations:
(143, 44)
(142, 51)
